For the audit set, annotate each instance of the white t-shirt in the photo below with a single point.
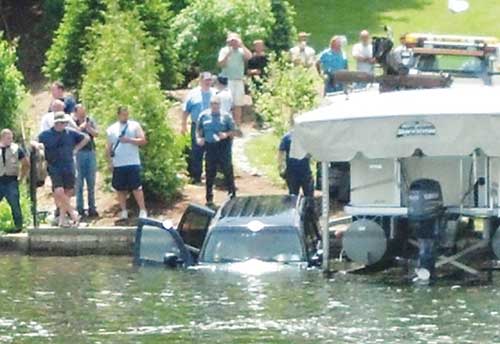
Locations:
(366, 51)
(305, 56)
(47, 121)
(126, 154)
(226, 100)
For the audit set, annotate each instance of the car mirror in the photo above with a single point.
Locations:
(172, 260)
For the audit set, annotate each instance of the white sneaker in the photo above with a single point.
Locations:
(143, 214)
(123, 215)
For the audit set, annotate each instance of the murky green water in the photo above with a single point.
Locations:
(107, 300)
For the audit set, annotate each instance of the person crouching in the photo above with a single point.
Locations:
(214, 131)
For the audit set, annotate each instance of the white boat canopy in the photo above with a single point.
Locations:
(441, 122)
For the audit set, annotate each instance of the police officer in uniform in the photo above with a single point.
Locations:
(12, 157)
(214, 132)
(296, 172)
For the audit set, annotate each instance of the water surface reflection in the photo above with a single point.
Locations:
(107, 300)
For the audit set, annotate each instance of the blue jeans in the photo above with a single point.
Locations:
(85, 172)
(10, 190)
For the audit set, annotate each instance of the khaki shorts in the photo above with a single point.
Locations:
(237, 89)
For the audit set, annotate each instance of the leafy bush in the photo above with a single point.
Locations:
(11, 87)
(287, 91)
(72, 39)
(283, 32)
(201, 28)
(6, 221)
(156, 16)
(121, 70)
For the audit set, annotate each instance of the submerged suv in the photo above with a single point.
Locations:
(279, 229)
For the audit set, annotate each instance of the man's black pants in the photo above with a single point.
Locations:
(218, 154)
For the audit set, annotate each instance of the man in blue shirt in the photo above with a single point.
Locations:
(331, 60)
(296, 172)
(60, 143)
(197, 101)
(214, 132)
(57, 91)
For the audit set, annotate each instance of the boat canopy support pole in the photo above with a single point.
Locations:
(325, 204)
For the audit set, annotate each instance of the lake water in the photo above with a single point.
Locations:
(107, 300)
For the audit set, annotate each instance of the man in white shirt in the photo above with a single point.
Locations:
(226, 99)
(47, 121)
(232, 60)
(363, 53)
(124, 139)
(302, 54)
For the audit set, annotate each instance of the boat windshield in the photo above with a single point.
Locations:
(240, 244)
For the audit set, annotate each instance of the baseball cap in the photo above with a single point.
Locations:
(222, 79)
(60, 117)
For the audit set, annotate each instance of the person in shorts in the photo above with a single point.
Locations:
(124, 139)
(60, 143)
(232, 60)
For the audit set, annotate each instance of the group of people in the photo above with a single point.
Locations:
(67, 137)
(214, 107)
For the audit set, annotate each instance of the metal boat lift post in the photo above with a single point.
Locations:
(325, 213)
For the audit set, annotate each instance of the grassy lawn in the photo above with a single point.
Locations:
(324, 18)
(262, 153)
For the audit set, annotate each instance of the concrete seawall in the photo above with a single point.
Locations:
(53, 241)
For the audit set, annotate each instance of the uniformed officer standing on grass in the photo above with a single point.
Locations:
(214, 131)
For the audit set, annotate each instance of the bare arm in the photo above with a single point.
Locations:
(247, 54)
(139, 140)
(318, 66)
(82, 143)
(185, 116)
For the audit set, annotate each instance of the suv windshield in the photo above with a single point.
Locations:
(451, 63)
(240, 244)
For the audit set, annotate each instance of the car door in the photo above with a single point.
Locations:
(158, 243)
(193, 227)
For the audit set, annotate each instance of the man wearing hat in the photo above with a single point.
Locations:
(214, 131)
(232, 60)
(197, 101)
(60, 143)
(302, 54)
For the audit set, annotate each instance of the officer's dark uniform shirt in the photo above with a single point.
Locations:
(59, 147)
(211, 124)
(20, 155)
(300, 166)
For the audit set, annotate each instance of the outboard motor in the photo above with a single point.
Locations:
(425, 213)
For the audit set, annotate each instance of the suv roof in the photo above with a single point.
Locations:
(273, 210)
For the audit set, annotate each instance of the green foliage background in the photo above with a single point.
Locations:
(12, 90)
(202, 26)
(287, 91)
(72, 40)
(121, 70)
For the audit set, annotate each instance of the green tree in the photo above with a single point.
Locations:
(72, 39)
(287, 91)
(283, 32)
(11, 85)
(121, 70)
(201, 29)
(156, 16)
